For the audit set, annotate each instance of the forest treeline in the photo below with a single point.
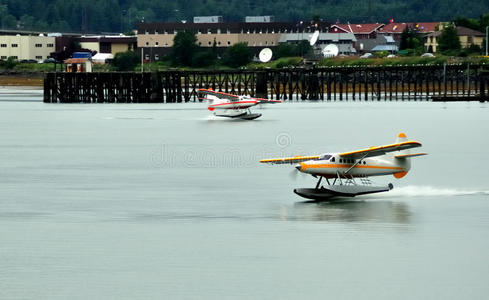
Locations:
(97, 16)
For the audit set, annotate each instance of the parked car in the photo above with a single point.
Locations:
(391, 56)
(427, 55)
(49, 60)
(367, 55)
(28, 61)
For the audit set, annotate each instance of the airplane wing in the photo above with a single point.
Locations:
(288, 160)
(262, 100)
(380, 150)
(222, 95)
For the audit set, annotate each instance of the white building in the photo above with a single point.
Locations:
(26, 46)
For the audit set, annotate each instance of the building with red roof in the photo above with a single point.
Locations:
(395, 29)
(361, 31)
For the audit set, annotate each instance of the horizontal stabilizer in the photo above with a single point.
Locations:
(410, 155)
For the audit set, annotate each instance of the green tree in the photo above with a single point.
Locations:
(125, 61)
(448, 41)
(184, 48)
(412, 41)
(237, 55)
(285, 50)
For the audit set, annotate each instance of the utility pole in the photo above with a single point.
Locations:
(487, 27)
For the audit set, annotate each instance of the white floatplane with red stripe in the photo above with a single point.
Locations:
(232, 106)
(341, 169)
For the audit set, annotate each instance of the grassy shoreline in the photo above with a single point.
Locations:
(33, 74)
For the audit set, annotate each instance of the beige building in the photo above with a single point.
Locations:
(469, 37)
(26, 47)
(156, 39)
(108, 44)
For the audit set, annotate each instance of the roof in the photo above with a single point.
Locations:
(468, 32)
(385, 48)
(331, 37)
(108, 39)
(423, 27)
(356, 28)
(75, 60)
(233, 27)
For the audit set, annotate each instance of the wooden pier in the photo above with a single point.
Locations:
(397, 83)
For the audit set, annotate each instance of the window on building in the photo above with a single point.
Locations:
(3, 57)
(157, 57)
(156, 43)
(3, 45)
(50, 45)
(38, 57)
(209, 43)
(147, 43)
(105, 48)
(219, 43)
(156, 31)
(15, 45)
(146, 56)
(15, 57)
(229, 43)
(200, 43)
(38, 45)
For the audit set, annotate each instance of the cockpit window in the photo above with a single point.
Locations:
(326, 157)
(332, 159)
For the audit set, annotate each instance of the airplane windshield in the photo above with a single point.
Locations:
(326, 157)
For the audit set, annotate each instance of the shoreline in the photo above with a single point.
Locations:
(19, 79)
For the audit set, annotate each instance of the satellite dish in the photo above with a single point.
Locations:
(314, 38)
(330, 50)
(265, 55)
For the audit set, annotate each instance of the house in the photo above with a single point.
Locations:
(431, 42)
(388, 44)
(469, 37)
(28, 47)
(361, 31)
(78, 65)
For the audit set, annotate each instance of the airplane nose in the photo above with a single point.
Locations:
(298, 167)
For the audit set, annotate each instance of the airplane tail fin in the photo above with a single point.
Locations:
(402, 156)
(401, 137)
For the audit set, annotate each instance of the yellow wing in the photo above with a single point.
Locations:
(380, 150)
(289, 160)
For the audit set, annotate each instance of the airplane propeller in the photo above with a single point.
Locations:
(294, 173)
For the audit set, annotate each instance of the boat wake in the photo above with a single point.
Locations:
(430, 191)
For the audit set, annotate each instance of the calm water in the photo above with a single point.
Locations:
(166, 202)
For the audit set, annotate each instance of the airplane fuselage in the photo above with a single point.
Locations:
(330, 165)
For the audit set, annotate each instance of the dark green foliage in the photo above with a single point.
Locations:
(411, 41)
(289, 50)
(237, 55)
(476, 24)
(203, 58)
(123, 15)
(9, 64)
(184, 48)
(285, 50)
(448, 42)
(125, 61)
